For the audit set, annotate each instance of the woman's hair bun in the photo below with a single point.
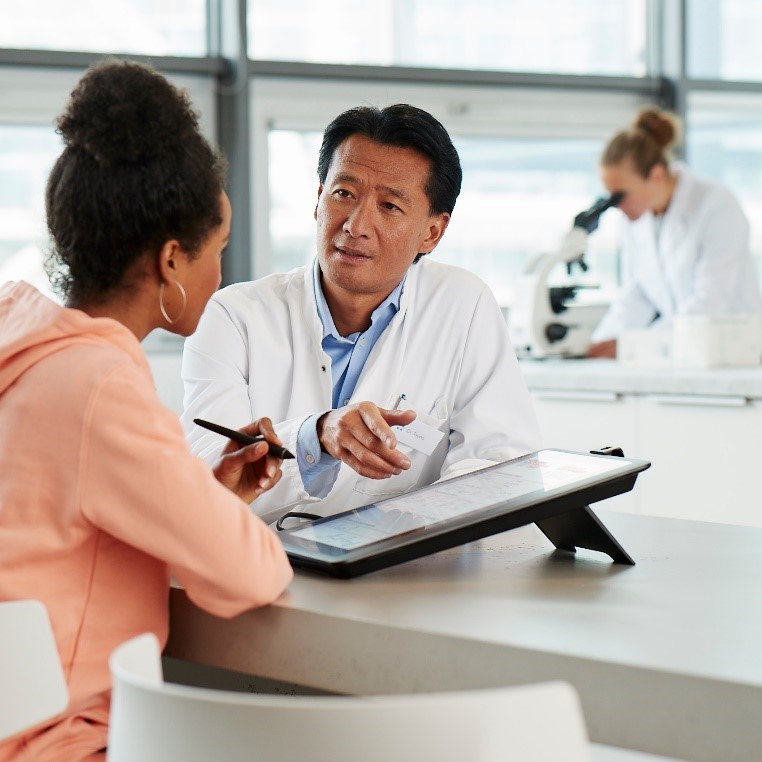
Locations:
(135, 172)
(122, 112)
(662, 126)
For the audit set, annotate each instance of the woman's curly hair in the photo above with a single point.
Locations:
(135, 172)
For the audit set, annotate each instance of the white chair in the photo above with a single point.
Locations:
(155, 721)
(32, 684)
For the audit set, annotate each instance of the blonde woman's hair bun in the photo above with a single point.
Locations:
(662, 126)
(646, 143)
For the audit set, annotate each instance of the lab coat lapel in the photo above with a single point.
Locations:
(312, 366)
(381, 377)
(651, 266)
(675, 227)
(380, 381)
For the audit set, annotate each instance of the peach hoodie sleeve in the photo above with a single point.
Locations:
(139, 482)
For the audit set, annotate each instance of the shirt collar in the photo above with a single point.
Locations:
(329, 327)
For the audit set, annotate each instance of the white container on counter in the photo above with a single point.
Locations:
(717, 341)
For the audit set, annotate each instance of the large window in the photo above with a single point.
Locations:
(723, 39)
(30, 100)
(519, 199)
(529, 166)
(293, 187)
(724, 128)
(529, 144)
(27, 153)
(563, 36)
(724, 142)
(151, 27)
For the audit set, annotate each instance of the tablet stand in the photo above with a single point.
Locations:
(581, 528)
(564, 517)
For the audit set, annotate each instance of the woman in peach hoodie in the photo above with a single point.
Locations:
(100, 498)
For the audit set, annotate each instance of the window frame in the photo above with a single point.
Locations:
(231, 100)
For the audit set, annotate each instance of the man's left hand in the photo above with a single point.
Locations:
(360, 435)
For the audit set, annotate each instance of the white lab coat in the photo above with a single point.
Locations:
(257, 352)
(702, 264)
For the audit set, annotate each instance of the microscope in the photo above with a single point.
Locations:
(545, 320)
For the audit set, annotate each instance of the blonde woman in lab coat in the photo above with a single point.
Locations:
(685, 243)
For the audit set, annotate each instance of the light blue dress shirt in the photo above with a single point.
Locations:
(348, 357)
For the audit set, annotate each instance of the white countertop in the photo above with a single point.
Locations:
(665, 655)
(610, 376)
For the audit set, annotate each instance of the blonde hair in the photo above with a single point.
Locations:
(647, 143)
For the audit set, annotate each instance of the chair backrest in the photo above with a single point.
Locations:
(152, 720)
(32, 684)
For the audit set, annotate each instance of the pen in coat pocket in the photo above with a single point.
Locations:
(245, 439)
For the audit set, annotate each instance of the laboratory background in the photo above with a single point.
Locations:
(531, 92)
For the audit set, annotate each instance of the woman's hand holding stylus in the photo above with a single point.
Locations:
(248, 470)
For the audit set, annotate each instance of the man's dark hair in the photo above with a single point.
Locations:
(135, 172)
(402, 126)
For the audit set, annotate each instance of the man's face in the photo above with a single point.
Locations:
(373, 218)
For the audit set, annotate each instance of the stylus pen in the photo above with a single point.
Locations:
(245, 439)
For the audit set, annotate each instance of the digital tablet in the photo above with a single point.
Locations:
(551, 488)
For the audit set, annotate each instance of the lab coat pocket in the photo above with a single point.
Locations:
(423, 468)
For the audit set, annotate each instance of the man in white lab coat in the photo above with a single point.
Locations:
(685, 243)
(371, 335)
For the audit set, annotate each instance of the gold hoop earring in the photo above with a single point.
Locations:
(161, 303)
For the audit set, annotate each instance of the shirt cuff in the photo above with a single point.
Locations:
(318, 469)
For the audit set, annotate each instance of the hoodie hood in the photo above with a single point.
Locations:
(33, 327)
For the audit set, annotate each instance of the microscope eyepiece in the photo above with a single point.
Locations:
(616, 198)
(588, 220)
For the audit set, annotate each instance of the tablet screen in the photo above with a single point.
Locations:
(532, 476)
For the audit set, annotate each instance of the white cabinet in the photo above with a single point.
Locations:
(706, 457)
(584, 421)
(705, 451)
